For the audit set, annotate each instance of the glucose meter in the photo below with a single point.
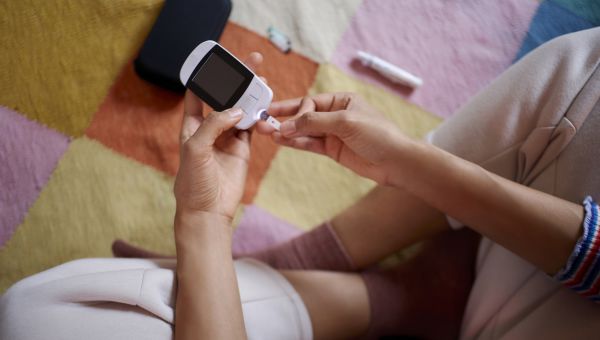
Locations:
(222, 81)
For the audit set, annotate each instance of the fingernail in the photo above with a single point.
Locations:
(235, 112)
(288, 127)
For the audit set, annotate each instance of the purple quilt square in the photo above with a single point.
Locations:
(29, 153)
(258, 230)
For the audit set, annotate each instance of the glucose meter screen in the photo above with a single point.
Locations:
(218, 79)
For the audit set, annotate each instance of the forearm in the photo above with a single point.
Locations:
(383, 222)
(208, 302)
(539, 227)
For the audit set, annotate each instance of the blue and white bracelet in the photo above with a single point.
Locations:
(582, 272)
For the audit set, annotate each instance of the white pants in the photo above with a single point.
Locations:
(134, 299)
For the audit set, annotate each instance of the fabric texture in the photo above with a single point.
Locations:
(259, 230)
(33, 151)
(93, 196)
(256, 231)
(313, 26)
(456, 47)
(587, 9)
(140, 120)
(530, 139)
(318, 249)
(135, 298)
(552, 19)
(60, 60)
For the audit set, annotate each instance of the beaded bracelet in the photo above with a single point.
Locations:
(583, 267)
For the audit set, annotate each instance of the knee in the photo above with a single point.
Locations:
(29, 307)
(15, 312)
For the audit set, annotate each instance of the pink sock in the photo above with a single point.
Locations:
(121, 248)
(319, 248)
(425, 296)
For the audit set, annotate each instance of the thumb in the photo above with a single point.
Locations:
(317, 124)
(214, 125)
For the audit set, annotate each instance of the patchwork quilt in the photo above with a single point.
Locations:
(89, 151)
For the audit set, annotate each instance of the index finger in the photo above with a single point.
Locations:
(288, 107)
(283, 108)
(322, 102)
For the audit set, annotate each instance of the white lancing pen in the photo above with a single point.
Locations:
(389, 70)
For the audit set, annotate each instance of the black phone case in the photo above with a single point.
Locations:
(180, 27)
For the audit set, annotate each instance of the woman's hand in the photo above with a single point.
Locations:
(214, 161)
(208, 188)
(343, 127)
(214, 158)
(538, 227)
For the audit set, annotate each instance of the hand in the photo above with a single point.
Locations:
(214, 158)
(343, 127)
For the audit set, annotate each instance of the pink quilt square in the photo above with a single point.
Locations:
(29, 153)
(456, 47)
(259, 230)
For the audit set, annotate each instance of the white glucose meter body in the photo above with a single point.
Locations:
(222, 81)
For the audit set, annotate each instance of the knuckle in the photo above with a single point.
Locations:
(351, 97)
(210, 118)
(307, 119)
(346, 122)
(306, 100)
(344, 99)
(222, 117)
(215, 119)
(348, 95)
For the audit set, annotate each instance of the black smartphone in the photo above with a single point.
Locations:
(179, 28)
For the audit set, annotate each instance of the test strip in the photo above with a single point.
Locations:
(270, 120)
(274, 123)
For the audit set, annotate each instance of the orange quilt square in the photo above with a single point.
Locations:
(142, 121)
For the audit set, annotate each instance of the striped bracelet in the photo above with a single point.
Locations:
(581, 273)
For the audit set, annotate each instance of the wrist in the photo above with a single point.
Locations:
(400, 168)
(186, 216)
(192, 227)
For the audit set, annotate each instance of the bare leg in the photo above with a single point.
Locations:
(337, 302)
(430, 288)
(383, 222)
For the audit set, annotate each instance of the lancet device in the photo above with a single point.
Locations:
(222, 81)
(389, 70)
